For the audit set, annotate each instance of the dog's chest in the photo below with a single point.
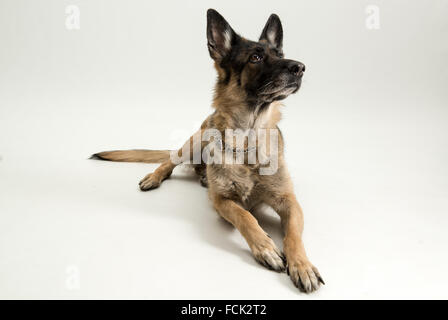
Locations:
(233, 181)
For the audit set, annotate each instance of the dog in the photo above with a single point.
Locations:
(253, 77)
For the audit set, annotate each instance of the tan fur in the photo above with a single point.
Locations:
(146, 156)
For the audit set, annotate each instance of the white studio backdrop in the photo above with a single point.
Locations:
(366, 140)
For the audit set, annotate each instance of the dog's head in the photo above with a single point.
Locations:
(259, 69)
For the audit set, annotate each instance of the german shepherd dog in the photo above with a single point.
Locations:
(252, 79)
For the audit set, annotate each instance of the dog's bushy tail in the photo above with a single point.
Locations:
(146, 156)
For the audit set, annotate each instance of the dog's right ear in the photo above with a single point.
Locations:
(220, 35)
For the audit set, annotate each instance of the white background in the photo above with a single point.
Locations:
(366, 144)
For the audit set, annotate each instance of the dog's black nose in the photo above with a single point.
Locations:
(297, 68)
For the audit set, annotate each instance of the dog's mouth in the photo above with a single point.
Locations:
(287, 91)
(280, 90)
(294, 85)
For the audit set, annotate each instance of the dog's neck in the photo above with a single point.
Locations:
(237, 112)
(264, 115)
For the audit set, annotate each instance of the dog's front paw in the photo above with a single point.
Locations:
(149, 182)
(267, 254)
(304, 275)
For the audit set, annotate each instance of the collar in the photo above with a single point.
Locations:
(222, 143)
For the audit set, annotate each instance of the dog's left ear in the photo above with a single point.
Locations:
(273, 32)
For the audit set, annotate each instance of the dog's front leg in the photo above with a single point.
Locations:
(262, 246)
(303, 274)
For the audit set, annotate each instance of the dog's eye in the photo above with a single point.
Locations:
(255, 58)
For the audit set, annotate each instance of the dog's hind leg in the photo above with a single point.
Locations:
(154, 179)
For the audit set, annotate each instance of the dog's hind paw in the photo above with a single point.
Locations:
(204, 182)
(149, 182)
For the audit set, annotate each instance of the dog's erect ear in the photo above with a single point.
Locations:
(273, 32)
(220, 35)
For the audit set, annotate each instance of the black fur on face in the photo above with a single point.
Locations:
(258, 67)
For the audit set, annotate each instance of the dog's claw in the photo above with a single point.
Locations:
(284, 259)
(299, 285)
(319, 277)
